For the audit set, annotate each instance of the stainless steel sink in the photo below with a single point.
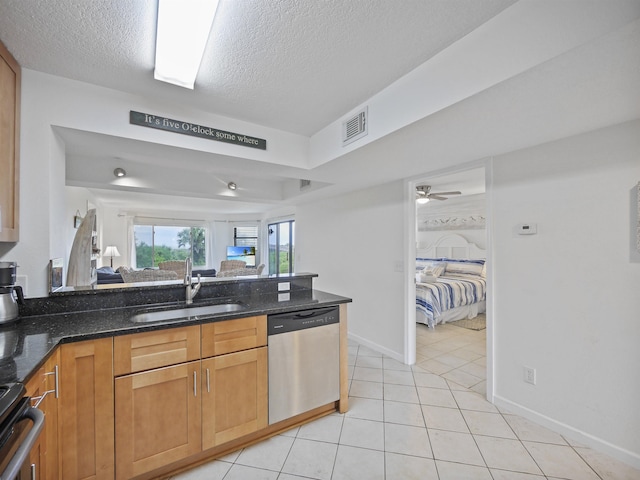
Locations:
(191, 313)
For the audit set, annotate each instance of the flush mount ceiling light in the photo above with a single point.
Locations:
(231, 186)
(119, 172)
(182, 33)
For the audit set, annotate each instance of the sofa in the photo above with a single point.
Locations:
(106, 275)
(241, 272)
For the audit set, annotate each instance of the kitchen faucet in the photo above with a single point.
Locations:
(190, 291)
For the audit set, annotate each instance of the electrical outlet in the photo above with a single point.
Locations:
(530, 375)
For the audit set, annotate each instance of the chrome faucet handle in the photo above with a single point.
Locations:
(188, 270)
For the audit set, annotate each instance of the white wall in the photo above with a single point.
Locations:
(566, 301)
(113, 231)
(354, 242)
(454, 208)
(54, 101)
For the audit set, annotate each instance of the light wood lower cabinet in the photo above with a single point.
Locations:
(37, 387)
(157, 418)
(148, 350)
(49, 405)
(85, 415)
(219, 338)
(234, 398)
(181, 406)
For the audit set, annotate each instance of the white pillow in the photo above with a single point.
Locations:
(435, 269)
(464, 268)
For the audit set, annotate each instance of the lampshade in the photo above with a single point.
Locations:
(111, 251)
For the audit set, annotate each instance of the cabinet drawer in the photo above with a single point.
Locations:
(231, 336)
(148, 350)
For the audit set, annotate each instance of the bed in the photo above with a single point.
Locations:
(450, 281)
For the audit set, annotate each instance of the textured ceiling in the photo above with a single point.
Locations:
(295, 65)
(298, 65)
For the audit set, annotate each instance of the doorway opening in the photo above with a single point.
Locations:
(435, 223)
(281, 247)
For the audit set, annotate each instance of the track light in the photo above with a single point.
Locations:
(231, 186)
(119, 172)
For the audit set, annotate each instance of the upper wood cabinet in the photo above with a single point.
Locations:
(9, 146)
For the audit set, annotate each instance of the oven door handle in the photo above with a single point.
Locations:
(22, 453)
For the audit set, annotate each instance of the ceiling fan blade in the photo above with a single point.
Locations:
(446, 193)
(436, 197)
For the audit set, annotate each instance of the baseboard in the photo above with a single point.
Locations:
(574, 434)
(378, 348)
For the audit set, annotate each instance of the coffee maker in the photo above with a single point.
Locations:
(10, 293)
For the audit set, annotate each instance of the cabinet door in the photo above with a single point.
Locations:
(42, 388)
(234, 399)
(219, 338)
(36, 387)
(85, 415)
(157, 418)
(9, 145)
(50, 408)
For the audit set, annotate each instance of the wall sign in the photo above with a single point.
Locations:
(186, 128)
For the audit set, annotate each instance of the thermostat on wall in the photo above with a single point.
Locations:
(527, 229)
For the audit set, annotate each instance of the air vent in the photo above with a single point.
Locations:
(304, 183)
(354, 128)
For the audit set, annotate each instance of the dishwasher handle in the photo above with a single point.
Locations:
(301, 320)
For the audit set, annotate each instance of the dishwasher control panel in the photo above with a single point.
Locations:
(290, 322)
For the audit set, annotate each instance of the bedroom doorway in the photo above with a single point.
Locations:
(453, 227)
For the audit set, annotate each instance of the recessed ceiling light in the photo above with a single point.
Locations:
(231, 186)
(119, 172)
(182, 33)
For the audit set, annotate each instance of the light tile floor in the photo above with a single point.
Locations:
(428, 421)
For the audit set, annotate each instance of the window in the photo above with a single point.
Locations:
(159, 243)
(281, 247)
(246, 236)
(245, 239)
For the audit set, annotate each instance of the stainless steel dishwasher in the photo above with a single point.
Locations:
(304, 361)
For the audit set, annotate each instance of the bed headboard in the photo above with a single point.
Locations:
(451, 246)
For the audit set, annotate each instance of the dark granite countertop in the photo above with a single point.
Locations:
(30, 340)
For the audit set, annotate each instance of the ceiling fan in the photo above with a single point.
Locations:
(423, 194)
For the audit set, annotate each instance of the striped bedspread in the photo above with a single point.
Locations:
(432, 299)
